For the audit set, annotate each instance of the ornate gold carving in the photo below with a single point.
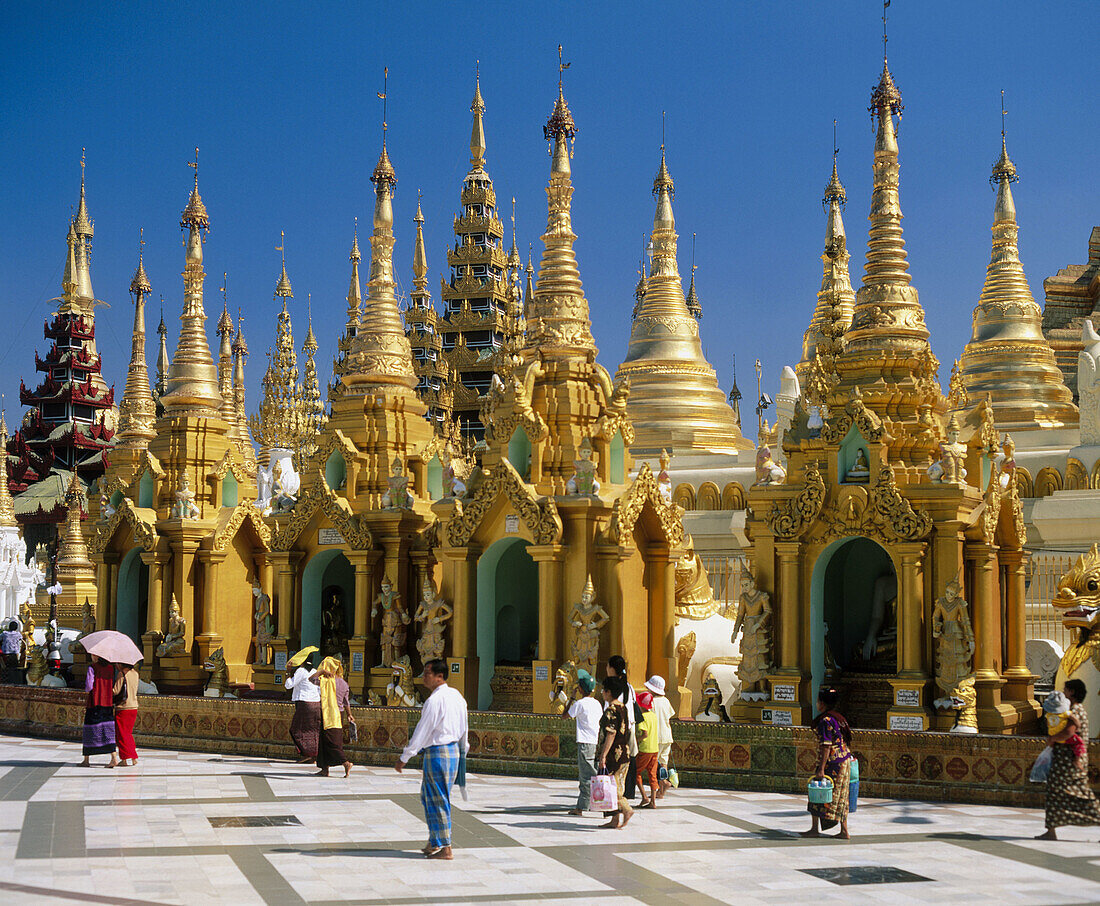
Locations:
(540, 514)
(883, 513)
(229, 464)
(145, 533)
(855, 413)
(799, 512)
(321, 497)
(626, 510)
(241, 512)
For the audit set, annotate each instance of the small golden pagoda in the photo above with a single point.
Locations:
(552, 522)
(1008, 359)
(835, 300)
(75, 572)
(178, 541)
(675, 401)
(860, 546)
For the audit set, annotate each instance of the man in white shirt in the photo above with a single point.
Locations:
(443, 736)
(305, 726)
(586, 711)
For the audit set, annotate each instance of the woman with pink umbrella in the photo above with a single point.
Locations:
(106, 648)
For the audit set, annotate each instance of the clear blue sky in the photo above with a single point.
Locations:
(281, 99)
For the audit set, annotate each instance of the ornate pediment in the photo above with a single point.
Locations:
(512, 409)
(321, 497)
(799, 513)
(539, 514)
(119, 481)
(225, 533)
(855, 413)
(627, 508)
(878, 512)
(230, 463)
(144, 529)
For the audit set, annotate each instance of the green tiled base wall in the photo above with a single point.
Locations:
(931, 766)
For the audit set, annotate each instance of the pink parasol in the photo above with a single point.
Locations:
(112, 646)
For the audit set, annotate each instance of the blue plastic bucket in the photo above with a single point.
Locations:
(853, 784)
(820, 792)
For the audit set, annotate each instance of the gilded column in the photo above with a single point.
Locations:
(788, 606)
(155, 608)
(1020, 678)
(111, 559)
(911, 615)
(986, 639)
(549, 560)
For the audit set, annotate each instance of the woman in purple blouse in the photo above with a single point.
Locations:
(834, 761)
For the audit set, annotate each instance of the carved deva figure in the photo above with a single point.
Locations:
(173, 643)
(433, 614)
(664, 480)
(949, 467)
(754, 622)
(1078, 600)
(587, 619)
(398, 496)
(394, 621)
(1088, 385)
(955, 638)
(185, 506)
(454, 473)
(265, 625)
(583, 483)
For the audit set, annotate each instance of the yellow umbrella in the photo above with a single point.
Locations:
(299, 657)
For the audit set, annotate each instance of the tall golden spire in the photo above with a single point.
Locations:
(163, 362)
(1008, 358)
(83, 229)
(835, 299)
(225, 364)
(695, 307)
(674, 397)
(192, 377)
(7, 505)
(477, 131)
(240, 356)
(313, 408)
(528, 289)
(420, 258)
(279, 424)
(68, 278)
(886, 352)
(137, 410)
(558, 324)
(380, 352)
(355, 294)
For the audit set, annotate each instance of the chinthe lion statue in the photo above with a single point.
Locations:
(1078, 601)
(218, 684)
(564, 682)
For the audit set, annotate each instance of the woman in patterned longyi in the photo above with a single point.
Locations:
(1070, 799)
(613, 754)
(835, 756)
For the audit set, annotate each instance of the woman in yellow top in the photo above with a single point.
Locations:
(648, 733)
(335, 700)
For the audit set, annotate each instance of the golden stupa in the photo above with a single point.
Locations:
(674, 401)
(1008, 358)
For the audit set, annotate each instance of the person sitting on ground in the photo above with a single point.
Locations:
(586, 711)
(646, 761)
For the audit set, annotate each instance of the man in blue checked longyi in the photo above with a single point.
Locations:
(442, 735)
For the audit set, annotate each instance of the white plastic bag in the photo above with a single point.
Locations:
(1041, 769)
(603, 793)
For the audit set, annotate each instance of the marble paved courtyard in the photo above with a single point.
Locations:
(200, 828)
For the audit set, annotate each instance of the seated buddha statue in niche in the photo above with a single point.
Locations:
(879, 651)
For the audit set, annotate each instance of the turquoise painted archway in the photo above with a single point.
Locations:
(132, 598)
(507, 609)
(841, 590)
(325, 571)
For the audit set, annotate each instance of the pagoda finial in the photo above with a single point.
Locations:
(693, 304)
(355, 294)
(82, 247)
(477, 132)
(7, 505)
(310, 344)
(420, 256)
(557, 318)
(282, 288)
(1004, 170)
(514, 261)
(83, 223)
(192, 376)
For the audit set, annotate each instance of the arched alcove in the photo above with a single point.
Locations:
(507, 609)
(617, 454)
(132, 597)
(145, 489)
(230, 490)
(519, 453)
(435, 478)
(326, 571)
(336, 470)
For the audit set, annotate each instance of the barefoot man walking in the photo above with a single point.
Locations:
(442, 735)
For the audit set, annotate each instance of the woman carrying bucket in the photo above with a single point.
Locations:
(828, 791)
